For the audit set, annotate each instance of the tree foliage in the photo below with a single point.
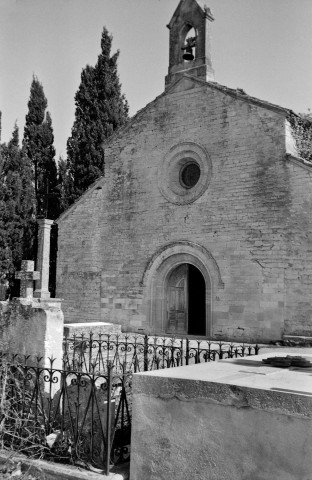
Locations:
(17, 209)
(302, 130)
(28, 187)
(100, 109)
(38, 143)
(64, 184)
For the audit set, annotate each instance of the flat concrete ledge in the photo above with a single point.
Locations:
(51, 470)
(241, 382)
(97, 328)
(237, 418)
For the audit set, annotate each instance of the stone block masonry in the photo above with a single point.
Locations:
(250, 226)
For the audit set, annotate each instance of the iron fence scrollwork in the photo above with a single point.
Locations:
(65, 415)
(144, 353)
(81, 413)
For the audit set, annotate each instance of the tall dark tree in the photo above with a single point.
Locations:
(38, 143)
(100, 109)
(65, 184)
(5, 252)
(17, 210)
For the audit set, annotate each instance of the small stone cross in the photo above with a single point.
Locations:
(27, 275)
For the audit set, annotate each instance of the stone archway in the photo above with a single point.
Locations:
(156, 280)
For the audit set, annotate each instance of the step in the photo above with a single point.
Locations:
(297, 340)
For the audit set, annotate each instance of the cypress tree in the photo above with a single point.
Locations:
(38, 143)
(17, 210)
(65, 184)
(100, 109)
(5, 253)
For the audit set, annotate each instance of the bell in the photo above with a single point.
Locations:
(188, 54)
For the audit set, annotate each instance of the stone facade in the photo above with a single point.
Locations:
(245, 224)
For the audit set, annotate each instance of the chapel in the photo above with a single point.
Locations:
(201, 223)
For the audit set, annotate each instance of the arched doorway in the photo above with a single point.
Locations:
(186, 301)
(157, 274)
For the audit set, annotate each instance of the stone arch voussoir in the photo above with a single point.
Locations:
(158, 269)
(183, 247)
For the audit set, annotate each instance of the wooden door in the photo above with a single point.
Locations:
(177, 300)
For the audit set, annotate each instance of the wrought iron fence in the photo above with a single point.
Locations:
(143, 353)
(82, 413)
(65, 415)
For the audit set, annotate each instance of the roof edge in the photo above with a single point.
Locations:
(201, 5)
(131, 120)
(239, 93)
(236, 93)
(90, 189)
(302, 162)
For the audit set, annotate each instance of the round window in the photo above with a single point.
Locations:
(185, 173)
(189, 175)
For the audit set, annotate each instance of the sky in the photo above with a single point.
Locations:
(261, 46)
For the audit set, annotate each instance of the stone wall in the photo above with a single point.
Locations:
(296, 253)
(252, 219)
(32, 327)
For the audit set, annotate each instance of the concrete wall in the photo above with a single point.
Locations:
(212, 428)
(253, 219)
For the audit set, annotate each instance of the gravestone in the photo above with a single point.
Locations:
(27, 276)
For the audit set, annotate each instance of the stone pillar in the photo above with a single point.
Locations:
(43, 258)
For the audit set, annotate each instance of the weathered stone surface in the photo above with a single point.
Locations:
(197, 15)
(27, 275)
(43, 258)
(249, 230)
(233, 419)
(254, 219)
(97, 328)
(32, 327)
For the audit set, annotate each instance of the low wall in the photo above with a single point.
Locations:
(32, 327)
(236, 419)
(96, 328)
